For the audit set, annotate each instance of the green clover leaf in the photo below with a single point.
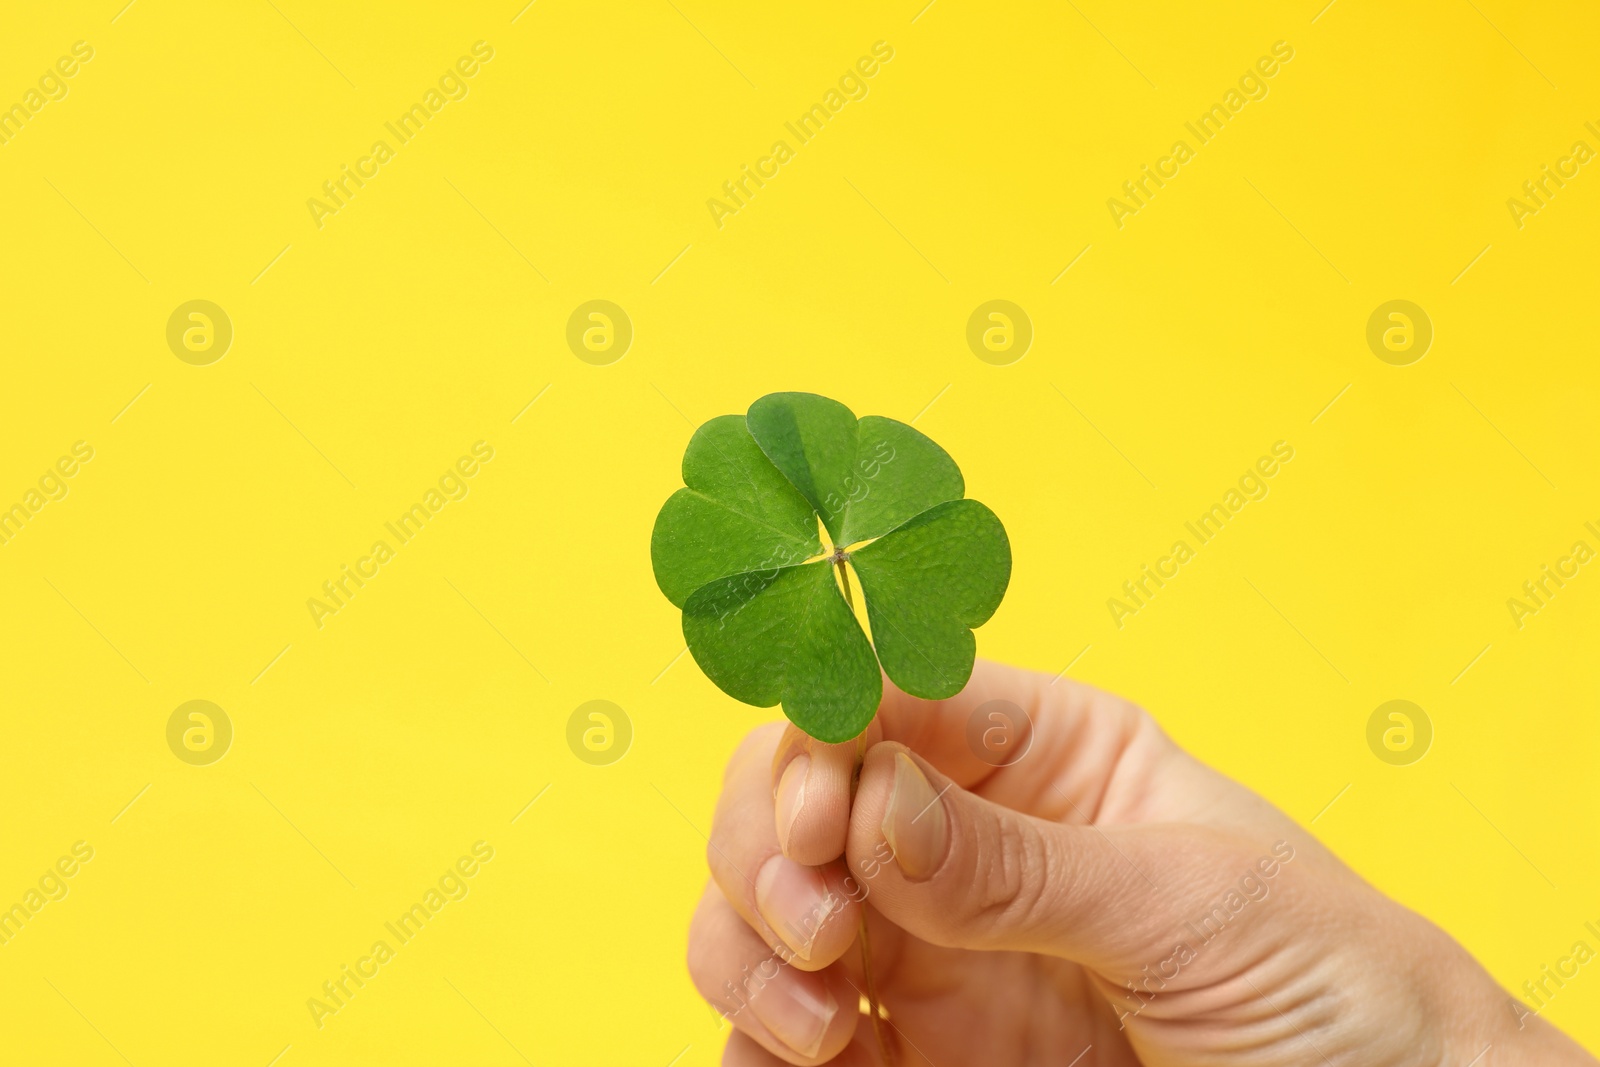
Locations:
(738, 549)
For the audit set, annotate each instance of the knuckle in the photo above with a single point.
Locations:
(1020, 880)
(758, 743)
(716, 861)
(1005, 885)
(1005, 858)
(702, 945)
(696, 961)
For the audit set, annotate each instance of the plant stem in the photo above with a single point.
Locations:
(884, 1047)
(844, 579)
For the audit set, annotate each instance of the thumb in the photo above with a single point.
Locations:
(959, 871)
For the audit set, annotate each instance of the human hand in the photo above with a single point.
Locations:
(1104, 900)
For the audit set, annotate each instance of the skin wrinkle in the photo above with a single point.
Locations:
(1132, 734)
(1296, 1011)
(1054, 881)
(1001, 884)
(1006, 887)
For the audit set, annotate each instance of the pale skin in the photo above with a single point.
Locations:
(1010, 908)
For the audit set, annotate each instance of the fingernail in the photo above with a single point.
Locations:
(914, 822)
(797, 1007)
(795, 902)
(791, 797)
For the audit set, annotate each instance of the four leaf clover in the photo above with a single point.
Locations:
(739, 550)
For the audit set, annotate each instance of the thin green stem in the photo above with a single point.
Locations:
(884, 1047)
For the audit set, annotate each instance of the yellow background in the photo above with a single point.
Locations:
(374, 751)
